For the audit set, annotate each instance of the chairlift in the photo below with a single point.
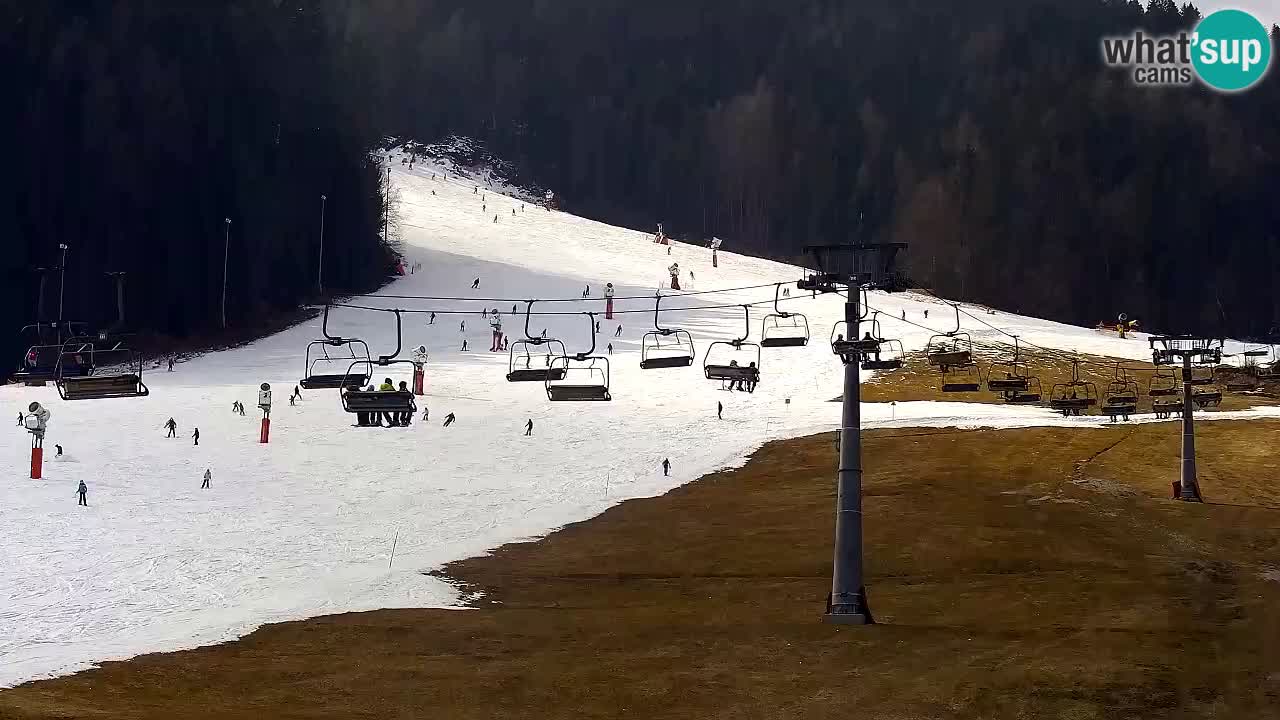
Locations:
(520, 360)
(1165, 409)
(43, 360)
(677, 351)
(356, 400)
(950, 349)
(584, 376)
(1071, 398)
(1122, 396)
(320, 371)
(961, 379)
(781, 328)
(121, 375)
(1163, 385)
(1012, 378)
(734, 361)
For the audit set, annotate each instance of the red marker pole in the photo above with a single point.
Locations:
(419, 379)
(266, 430)
(37, 462)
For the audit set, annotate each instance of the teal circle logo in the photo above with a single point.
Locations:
(1231, 50)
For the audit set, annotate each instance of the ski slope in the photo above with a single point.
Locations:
(305, 525)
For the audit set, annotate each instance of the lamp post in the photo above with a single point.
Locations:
(320, 263)
(226, 248)
(62, 282)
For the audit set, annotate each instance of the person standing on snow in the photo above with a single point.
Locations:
(496, 325)
(196, 437)
(462, 327)
(19, 419)
(528, 428)
(433, 318)
(83, 492)
(719, 410)
(171, 364)
(59, 450)
(610, 348)
(172, 427)
(208, 475)
(666, 466)
(597, 327)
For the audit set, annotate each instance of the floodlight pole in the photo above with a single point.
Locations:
(1190, 487)
(848, 590)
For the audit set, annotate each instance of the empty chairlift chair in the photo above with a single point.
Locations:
(535, 359)
(950, 349)
(583, 377)
(665, 347)
(117, 373)
(1163, 385)
(329, 373)
(783, 329)
(734, 362)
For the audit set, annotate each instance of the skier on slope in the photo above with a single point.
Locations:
(172, 427)
(448, 419)
(719, 410)
(208, 476)
(666, 466)
(195, 436)
(475, 284)
(528, 428)
(433, 318)
(675, 275)
(83, 492)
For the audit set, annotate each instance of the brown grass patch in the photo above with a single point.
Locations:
(1016, 574)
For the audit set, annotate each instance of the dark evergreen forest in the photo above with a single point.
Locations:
(986, 134)
(134, 130)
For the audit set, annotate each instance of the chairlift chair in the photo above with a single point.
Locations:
(1165, 409)
(676, 353)
(718, 364)
(851, 348)
(776, 332)
(891, 354)
(120, 375)
(549, 347)
(355, 400)
(1122, 391)
(1033, 393)
(950, 349)
(1076, 396)
(585, 376)
(319, 375)
(1162, 385)
(961, 379)
(1012, 378)
(43, 359)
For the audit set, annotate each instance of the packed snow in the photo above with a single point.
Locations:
(305, 525)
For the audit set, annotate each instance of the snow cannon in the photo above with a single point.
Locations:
(36, 422)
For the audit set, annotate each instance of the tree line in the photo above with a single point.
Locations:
(988, 135)
(133, 132)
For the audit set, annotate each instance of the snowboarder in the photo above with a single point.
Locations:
(83, 492)
(207, 477)
(448, 419)
(719, 410)
(59, 450)
(528, 428)
(475, 284)
(618, 332)
(196, 437)
(172, 427)
(666, 466)
(433, 318)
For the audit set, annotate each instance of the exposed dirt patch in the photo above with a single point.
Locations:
(1004, 589)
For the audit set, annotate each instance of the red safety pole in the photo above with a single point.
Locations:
(266, 430)
(37, 462)
(419, 379)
